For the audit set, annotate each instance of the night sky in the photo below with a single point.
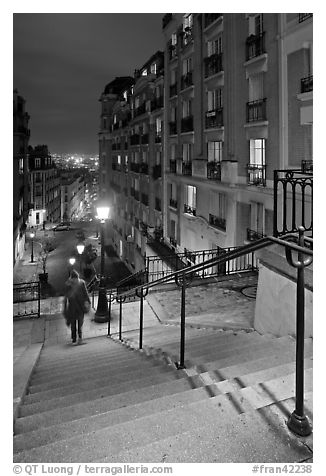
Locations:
(62, 62)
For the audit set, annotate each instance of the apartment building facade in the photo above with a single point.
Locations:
(236, 114)
(131, 147)
(44, 182)
(21, 135)
(237, 105)
(72, 195)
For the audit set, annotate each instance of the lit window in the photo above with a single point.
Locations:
(257, 151)
(191, 196)
(215, 99)
(186, 152)
(214, 151)
(153, 68)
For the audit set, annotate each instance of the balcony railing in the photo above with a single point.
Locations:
(256, 174)
(187, 168)
(217, 222)
(189, 209)
(134, 167)
(306, 84)
(140, 110)
(158, 204)
(134, 139)
(173, 89)
(173, 203)
(157, 103)
(214, 170)
(187, 124)
(157, 171)
(173, 128)
(213, 64)
(307, 166)
(186, 36)
(255, 46)
(256, 110)
(145, 138)
(143, 168)
(173, 166)
(186, 80)
(173, 241)
(253, 235)
(214, 118)
(210, 18)
(144, 198)
(304, 16)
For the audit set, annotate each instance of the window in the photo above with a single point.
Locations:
(21, 166)
(255, 24)
(186, 152)
(173, 151)
(257, 151)
(187, 65)
(158, 126)
(173, 191)
(37, 163)
(215, 46)
(137, 102)
(190, 199)
(257, 217)
(173, 39)
(215, 99)
(188, 21)
(217, 208)
(144, 72)
(256, 87)
(186, 108)
(153, 68)
(173, 79)
(144, 158)
(125, 95)
(214, 151)
(173, 114)
(158, 157)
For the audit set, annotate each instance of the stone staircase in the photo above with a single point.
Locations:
(106, 401)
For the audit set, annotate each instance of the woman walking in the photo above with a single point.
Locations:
(76, 303)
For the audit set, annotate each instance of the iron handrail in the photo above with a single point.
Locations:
(240, 251)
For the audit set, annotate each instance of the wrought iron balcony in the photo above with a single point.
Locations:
(210, 18)
(173, 241)
(173, 128)
(256, 110)
(186, 36)
(140, 110)
(190, 255)
(187, 168)
(143, 168)
(307, 166)
(306, 84)
(145, 138)
(214, 118)
(255, 46)
(144, 198)
(186, 80)
(157, 171)
(189, 209)
(173, 203)
(158, 204)
(217, 222)
(253, 235)
(134, 167)
(173, 166)
(304, 16)
(213, 64)
(134, 139)
(256, 174)
(157, 103)
(214, 170)
(187, 124)
(173, 89)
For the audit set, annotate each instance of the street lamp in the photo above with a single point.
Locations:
(72, 261)
(32, 234)
(80, 249)
(102, 311)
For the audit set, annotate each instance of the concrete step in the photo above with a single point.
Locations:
(120, 385)
(106, 442)
(101, 404)
(53, 380)
(63, 431)
(250, 438)
(97, 381)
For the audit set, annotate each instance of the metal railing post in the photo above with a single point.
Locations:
(298, 422)
(182, 326)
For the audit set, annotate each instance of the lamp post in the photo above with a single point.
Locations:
(72, 261)
(32, 253)
(102, 312)
(80, 248)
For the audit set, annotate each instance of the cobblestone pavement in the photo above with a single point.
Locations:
(220, 304)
